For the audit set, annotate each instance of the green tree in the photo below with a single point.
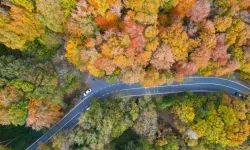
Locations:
(28, 4)
(22, 85)
(18, 113)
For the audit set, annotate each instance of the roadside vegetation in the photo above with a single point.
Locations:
(172, 122)
(46, 45)
(150, 42)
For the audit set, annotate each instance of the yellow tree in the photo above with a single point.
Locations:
(22, 26)
(153, 77)
(177, 40)
(28, 4)
(52, 14)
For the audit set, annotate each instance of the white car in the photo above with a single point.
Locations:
(87, 92)
(88, 108)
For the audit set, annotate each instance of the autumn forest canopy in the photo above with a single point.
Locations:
(184, 121)
(150, 42)
(46, 45)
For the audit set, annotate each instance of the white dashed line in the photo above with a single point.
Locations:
(169, 93)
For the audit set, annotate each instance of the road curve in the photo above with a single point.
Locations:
(101, 89)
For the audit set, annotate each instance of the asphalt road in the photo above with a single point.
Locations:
(101, 89)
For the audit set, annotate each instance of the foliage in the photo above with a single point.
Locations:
(9, 94)
(21, 85)
(153, 77)
(200, 10)
(109, 38)
(18, 113)
(20, 26)
(222, 23)
(41, 115)
(29, 79)
(177, 39)
(146, 125)
(44, 47)
(198, 121)
(28, 4)
(59, 141)
(4, 119)
(183, 7)
(52, 14)
(71, 83)
(163, 58)
(97, 127)
(214, 120)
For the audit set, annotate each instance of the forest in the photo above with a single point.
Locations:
(180, 121)
(33, 94)
(150, 42)
(47, 45)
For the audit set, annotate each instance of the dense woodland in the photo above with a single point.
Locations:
(136, 41)
(32, 94)
(184, 121)
(45, 43)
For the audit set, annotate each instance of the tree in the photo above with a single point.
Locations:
(220, 55)
(28, 4)
(238, 33)
(61, 141)
(200, 10)
(184, 68)
(82, 21)
(41, 115)
(21, 27)
(135, 32)
(183, 7)
(18, 113)
(67, 5)
(132, 75)
(4, 119)
(185, 113)
(45, 46)
(52, 14)
(106, 64)
(228, 68)
(227, 115)
(163, 58)
(222, 23)
(153, 78)
(22, 85)
(146, 125)
(108, 21)
(201, 56)
(215, 132)
(177, 40)
(97, 127)
(8, 95)
(151, 32)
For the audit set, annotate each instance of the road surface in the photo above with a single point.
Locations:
(101, 89)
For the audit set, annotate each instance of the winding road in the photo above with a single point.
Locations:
(101, 89)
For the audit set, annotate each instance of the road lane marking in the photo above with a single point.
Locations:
(190, 77)
(60, 128)
(220, 79)
(184, 85)
(170, 93)
(64, 117)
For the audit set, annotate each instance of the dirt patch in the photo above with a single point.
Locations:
(166, 116)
